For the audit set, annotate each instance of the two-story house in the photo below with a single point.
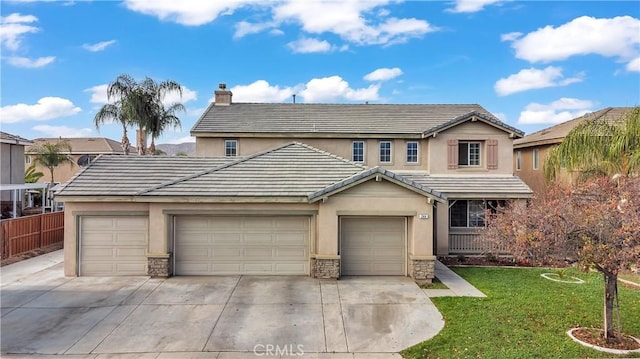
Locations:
(83, 151)
(309, 189)
(12, 174)
(531, 151)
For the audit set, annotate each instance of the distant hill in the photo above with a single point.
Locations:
(171, 149)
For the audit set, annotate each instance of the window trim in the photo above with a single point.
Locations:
(235, 148)
(468, 143)
(417, 152)
(518, 160)
(390, 151)
(536, 159)
(353, 149)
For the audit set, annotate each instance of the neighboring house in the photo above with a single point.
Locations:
(83, 151)
(530, 152)
(320, 190)
(12, 153)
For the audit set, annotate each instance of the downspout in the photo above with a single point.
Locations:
(434, 218)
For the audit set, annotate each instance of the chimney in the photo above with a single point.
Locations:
(222, 96)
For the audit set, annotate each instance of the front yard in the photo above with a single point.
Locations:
(524, 316)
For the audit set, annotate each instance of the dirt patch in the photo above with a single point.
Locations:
(596, 337)
(30, 254)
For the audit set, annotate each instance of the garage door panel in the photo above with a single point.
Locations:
(113, 246)
(243, 245)
(372, 246)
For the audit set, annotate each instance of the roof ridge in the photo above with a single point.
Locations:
(211, 170)
(329, 154)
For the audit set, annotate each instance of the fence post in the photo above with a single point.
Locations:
(42, 221)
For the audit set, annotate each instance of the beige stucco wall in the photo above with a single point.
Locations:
(535, 178)
(61, 173)
(377, 199)
(471, 131)
(207, 146)
(368, 199)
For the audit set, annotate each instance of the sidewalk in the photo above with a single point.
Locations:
(458, 287)
(20, 270)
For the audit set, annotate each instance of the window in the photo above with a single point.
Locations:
(357, 153)
(412, 152)
(27, 159)
(84, 160)
(385, 151)
(518, 160)
(230, 148)
(471, 213)
(536, 158)
(469, 154)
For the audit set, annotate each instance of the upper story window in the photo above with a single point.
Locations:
(412, 152)
(536, 159)
(230, 148)
(357, 152)
(84, 160)
(385, 151)
(468, 153)
(27, 159)
(518, 160)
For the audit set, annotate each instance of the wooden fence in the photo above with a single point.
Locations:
(19, 235)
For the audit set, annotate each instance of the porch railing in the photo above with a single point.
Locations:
(468, 242)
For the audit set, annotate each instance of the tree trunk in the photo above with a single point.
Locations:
(142, 141)
(125, 142)
(51, 171)
(152, 147)
(610, 293)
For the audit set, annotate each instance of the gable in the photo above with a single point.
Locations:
(378, 189)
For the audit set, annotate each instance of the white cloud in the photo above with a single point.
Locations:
(187, 12)
(615, 37)
(177, 141)
(308, 45)
(13, 27)
(98, 94)
(532, 78)
(383, 74)
(62, 131)
(47, 108)
(468, 6)
(174, 97)
(327, 89)
(510, 36)
(26, 62)
(261, 91)
(558, 111)
(100, 46)
(355, 21)
(634, 65)
(334, 88)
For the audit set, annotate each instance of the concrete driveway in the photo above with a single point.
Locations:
(47, 313)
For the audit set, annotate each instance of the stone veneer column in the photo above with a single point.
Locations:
(422, 268)
(325, 266)
(159, 265)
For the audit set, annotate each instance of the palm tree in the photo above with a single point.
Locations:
(31, 176)
(598, 147)
(165, 117)
(113, 112)
(141, 104)
(51, 155)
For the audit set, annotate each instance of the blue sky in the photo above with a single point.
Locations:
(532, 64)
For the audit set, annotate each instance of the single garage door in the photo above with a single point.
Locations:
(113, 246)
(208, 245)
(372, 246)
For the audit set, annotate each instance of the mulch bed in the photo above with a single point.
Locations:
(596, 337)
(30, 254)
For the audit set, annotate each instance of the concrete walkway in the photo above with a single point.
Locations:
(458, 287)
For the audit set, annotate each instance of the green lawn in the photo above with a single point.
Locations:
(523, 316)
(435, 284)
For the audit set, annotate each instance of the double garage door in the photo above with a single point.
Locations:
(207, 245)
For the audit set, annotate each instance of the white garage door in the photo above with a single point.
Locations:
(372, 246)
(207, 245)
(113, 246)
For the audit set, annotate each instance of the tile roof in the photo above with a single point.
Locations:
(87, 145)
(112, 175)
(14, 139)
(291, 170)
(478, 116)
(474, 186)
(263, 118)
(555, 134)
